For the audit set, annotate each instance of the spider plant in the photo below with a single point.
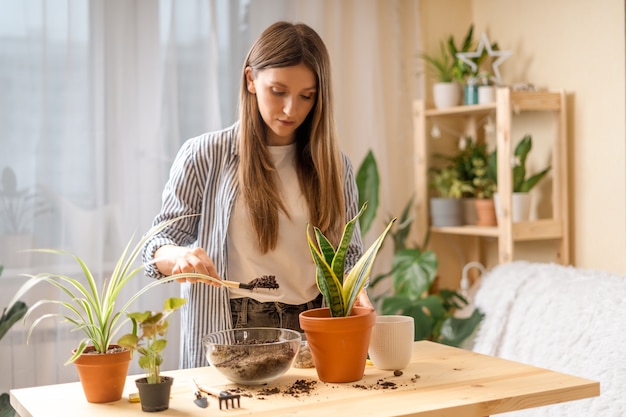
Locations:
(92, 309)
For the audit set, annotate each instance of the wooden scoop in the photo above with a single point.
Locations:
(266, 281)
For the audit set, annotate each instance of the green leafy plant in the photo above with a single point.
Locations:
(446, 66)
(447, 182)
(476, 168)
(442, 65)
(413, 273)
(338, 291)
(90, 309)
(521, 183)
(7, 320)
(151, 342)
(368, 183)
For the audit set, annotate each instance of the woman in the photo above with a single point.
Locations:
(254, 187)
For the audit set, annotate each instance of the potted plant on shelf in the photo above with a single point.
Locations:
(464, 162)
(92, 310)
(154, 389)
(338, 334)
(478, 167)
(446, 209)
(448, 70)
(520, 199)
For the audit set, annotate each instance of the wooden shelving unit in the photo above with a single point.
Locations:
(508, 103)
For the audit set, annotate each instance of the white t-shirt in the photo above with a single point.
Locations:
(291, 260)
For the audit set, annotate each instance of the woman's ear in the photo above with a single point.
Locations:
(250, 81)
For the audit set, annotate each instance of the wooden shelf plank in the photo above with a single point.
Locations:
(530, 230)
(461, 110)
(538, 101)
(537, 229)
(467, 230)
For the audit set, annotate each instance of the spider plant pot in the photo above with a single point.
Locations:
(154, 397)
(103, 375)
(338, 344)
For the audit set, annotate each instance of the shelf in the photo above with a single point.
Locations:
(508, 104)
(531, 230)
(462, 110)
(468, 230)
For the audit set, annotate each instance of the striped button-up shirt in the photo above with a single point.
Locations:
(203, 180)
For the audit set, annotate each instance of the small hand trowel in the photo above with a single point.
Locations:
(201, 400)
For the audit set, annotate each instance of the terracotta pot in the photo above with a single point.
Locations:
(154, 397)
(338, 344)
(486, 212)
(103, 375)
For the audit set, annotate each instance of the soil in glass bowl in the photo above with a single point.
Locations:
(252, 356)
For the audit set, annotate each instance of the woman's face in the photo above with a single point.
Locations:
(285, 97)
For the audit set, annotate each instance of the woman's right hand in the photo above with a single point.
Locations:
(172, 260)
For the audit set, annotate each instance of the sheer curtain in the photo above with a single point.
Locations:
(98, 96)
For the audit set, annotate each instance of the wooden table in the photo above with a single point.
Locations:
(440, 381)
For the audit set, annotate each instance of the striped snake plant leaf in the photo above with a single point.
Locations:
(327, 281)
(359, 274)
(340, 293)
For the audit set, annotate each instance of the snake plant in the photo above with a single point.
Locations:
(338, 291)
(521, 183)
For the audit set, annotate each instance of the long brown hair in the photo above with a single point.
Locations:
(318, 158)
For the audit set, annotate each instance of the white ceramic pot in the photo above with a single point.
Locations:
(446, 95)
(486, 94)
(520, 206)
(445, 212)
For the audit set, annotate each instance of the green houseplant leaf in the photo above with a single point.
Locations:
(340, 293)
(368, 183)
(413, 273)
(521, 184)
(11, 316)
(151, 343)
(6, 410)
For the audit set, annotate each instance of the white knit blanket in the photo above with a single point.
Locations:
(565, 319)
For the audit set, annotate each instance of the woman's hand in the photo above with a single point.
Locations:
(171, 260)
(363, 300)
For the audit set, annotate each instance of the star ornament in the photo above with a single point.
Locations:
(484, 43)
